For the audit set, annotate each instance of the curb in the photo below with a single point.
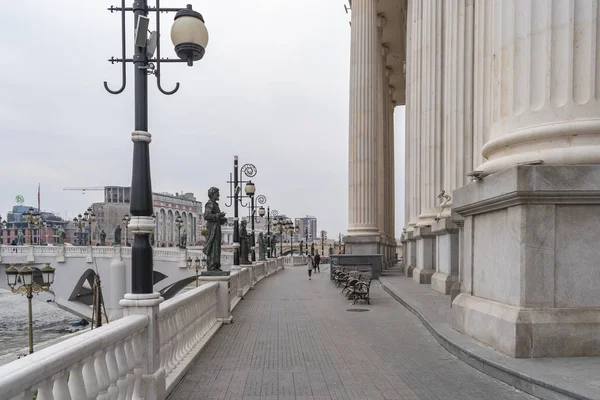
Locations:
(525, 383)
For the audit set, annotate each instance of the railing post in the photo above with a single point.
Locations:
(153, 385)
(60, 253)
(223, 301)
(30, 255)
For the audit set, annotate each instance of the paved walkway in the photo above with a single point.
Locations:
(295, 339)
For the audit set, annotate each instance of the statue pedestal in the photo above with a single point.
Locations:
(223, 299)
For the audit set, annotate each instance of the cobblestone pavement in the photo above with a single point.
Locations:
(295, 339)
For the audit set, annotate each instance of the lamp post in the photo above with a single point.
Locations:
(178, 224)
(198, 263)
(323, 238)
(279, 227)
(236, 198)
(79, 223)
(306, 235)
(126, 219)
(250, 190)
(190, 37)
(90, 217)
(33, 218)
(29, 287)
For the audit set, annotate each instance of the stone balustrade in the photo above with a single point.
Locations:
(103, 363)
(112, 362)
(90, 252)
(185, 323)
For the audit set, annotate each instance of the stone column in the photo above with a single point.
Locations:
(365, 62)
(457, 134)
(529, 266)
(381, 136)
(546, 84)
(413, 111)
(431, 117)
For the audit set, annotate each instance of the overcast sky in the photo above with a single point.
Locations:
(272, 88)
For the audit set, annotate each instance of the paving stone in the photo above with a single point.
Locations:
(294, 339)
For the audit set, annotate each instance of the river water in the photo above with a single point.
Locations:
(49, 322)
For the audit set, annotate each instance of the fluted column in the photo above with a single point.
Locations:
(545, 75)
(364, 60)
(457, 95)
(431, 129)
(381, 130)
(413, 111)
(391, 176)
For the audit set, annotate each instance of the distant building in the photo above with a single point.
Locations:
(39, 236)
(167, 207)
(307, 225)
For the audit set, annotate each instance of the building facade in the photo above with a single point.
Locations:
(502, 154)
(167, 207)
(45, 234)
(307, 226)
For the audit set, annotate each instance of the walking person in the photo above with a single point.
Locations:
(317, 261)
(310, 265)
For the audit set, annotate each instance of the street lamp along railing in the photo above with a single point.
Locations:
(178, 224)
(81, 221)
(28, 286)
(34, 220)
(198, 263)
(236, 198)
(190, 38)
(126, 219)
(260, 199)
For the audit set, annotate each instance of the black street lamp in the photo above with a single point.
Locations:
(306, 234)
(179, 224)
(323, 238)
(29, 287)
(126, 219)
(34, 219)
(190, 37)
(275, 214)
(236, 198)
(90, 218)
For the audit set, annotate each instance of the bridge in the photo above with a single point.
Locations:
(76, 267)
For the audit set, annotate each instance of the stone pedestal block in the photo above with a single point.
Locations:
(530, 287)
(367, 244)
(223, 302)
(446, 246)
(410, 253)
(425, 267)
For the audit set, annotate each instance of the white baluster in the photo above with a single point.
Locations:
(45, 390)
(113, 373)
(89, 378)
(121, 359)
(102, 375)
(61, 388)
(76, 382)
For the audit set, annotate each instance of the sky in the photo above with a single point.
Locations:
(272, 88)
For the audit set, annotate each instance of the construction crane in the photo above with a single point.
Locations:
(84, 189)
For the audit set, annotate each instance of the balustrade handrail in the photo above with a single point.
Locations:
(28, 373)
(172, 305)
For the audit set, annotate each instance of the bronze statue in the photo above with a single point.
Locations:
(262, 247)
(244, 244)
(214, 219)
(183, 240)
(20, 238)
(61, 235)
(117, 241)
(312, 249)
(102, 238)
(273, 246)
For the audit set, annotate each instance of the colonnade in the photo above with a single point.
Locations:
(502, 145)
(371, 158)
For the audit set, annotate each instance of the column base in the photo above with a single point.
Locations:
(441, 282)
(408, 270)
(423, 276)
(367, 244)
(527, 332)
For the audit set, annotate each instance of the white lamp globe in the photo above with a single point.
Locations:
(189, 35)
